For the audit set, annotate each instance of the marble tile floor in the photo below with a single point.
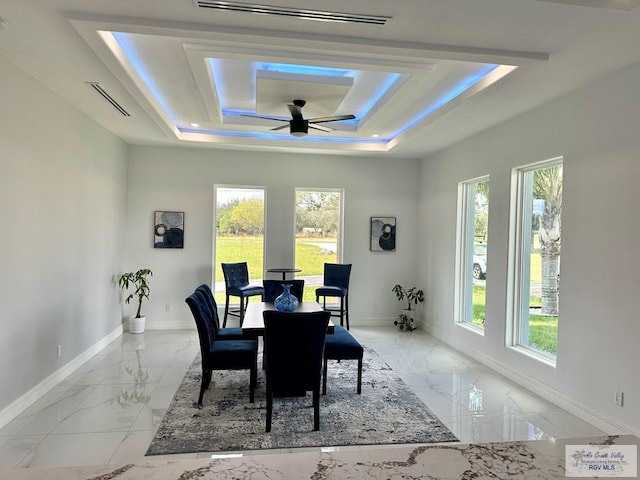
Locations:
(107, 411)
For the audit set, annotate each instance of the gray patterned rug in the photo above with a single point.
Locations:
(387, 412)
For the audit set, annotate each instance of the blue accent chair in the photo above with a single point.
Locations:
(236, 280)
(211, 308)
(273, 289)
(336, 284)
(342, 346)
(293, 347)
(219, 355)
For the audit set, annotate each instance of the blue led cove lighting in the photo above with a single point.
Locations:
(215, 65)
(146, 77)
(276, 136)
(303, 69)
(456, 91)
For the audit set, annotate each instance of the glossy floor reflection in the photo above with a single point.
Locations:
(108, 410)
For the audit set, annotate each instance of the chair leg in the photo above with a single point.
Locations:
(324, 377)
(206, 374)
(269, 410)
(207, 379)
(316, 408)
(243, 307)
(226, 312)
(360, 375)
(346, 308)
(252, 383)
(342, 312)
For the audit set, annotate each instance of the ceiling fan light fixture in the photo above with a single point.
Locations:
(299, 134)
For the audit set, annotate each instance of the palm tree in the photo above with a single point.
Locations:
(547, 185)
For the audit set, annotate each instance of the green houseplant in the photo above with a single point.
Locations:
(413, 296)
(140, 283)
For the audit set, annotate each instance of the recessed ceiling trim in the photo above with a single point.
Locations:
(303, 14)
(103, 93)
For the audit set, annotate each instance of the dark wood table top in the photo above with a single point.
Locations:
(254, 322)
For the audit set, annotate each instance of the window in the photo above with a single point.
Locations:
(318, 234)
(473, 201)
(536, 266)
(239, 234)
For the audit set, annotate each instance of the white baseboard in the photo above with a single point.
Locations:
(596, 419)
(25, 401)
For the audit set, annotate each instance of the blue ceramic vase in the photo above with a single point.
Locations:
(286, 301)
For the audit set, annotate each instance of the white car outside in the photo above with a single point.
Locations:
(480, 261)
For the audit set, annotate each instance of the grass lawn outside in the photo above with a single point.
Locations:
(543, 329)
(232, 249)
(311, 258)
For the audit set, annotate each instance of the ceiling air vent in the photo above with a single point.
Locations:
(102, 92)
(292, 12)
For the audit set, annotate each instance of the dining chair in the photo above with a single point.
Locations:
(211, 308)
(273, 288)
(336, 284)
(222, 355)
(293, 348)
(236, 281)
(342, 346)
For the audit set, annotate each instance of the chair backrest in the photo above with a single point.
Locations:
(337, 274)
(207, 296)
(205, 333)
(273, 289)
(235, 274)
(293, 348)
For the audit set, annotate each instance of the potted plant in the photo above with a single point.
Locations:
(139, 281)
(413, 296)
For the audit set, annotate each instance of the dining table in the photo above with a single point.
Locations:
(284, 271)
(253, 324)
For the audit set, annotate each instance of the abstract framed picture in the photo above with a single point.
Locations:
(383, 234)
(168, 229)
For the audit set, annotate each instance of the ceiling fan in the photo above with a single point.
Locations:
(298, 125)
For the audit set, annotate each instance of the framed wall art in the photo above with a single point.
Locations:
(383, 234)
(168, 229)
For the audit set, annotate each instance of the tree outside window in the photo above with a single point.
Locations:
(537, 288)
(318, 234)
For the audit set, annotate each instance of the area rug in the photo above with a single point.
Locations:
(387, 412)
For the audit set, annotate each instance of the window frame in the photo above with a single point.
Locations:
(519, 270)
(215, 229)
(465, 247)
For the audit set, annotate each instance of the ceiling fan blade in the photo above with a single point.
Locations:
(323, 128)
(296, 112)
(335, 118)
(281, 127)
(265, 118)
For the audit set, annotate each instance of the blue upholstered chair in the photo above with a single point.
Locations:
(342, 346)
(222, 355)
(236, 280)
(293, 346)
(211, 308)
(273, 288)
(336, 284)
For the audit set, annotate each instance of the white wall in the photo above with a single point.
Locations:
(596, 130)
(183, 179)
(63, 196)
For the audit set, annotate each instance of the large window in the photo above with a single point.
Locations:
(473, 222)
(318, 234)
(239, 233)
(536, 266)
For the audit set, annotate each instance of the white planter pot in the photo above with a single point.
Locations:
(136, 325)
